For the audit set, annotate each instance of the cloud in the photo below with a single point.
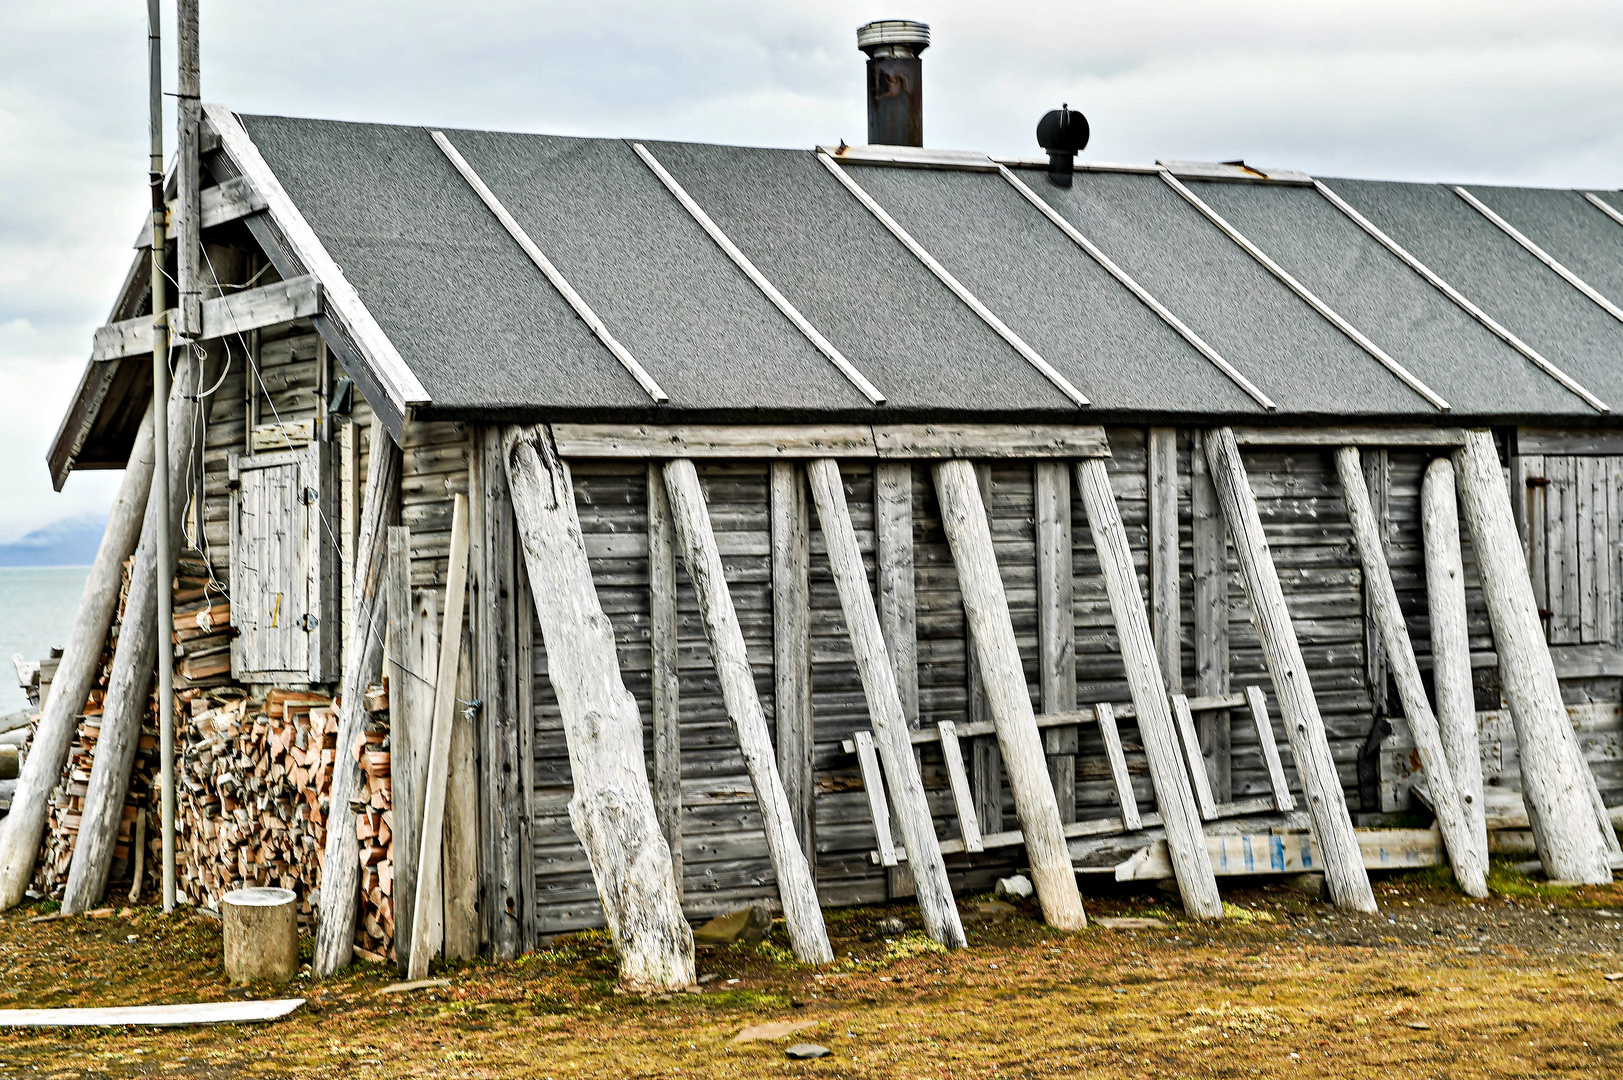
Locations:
(1471, 91)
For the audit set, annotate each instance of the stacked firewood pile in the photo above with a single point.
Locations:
(254, 782)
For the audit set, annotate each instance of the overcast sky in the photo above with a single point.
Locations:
(1420, 89)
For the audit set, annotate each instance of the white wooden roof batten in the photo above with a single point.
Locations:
(1540, 254)
(1143, 294)
(1459, 298)
(398, 381)
(1604, 207)
(559, 282)
(1031, 355)
(792, 313)
(1406, 376)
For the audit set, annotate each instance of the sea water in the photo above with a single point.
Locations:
(37, 605)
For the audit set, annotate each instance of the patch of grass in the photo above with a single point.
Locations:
(1506, 880)
(1244, 915)
(1429, 877)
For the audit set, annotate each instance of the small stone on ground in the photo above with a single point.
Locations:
(891, 926)
(777, 1029)
(1130, 923)
(1018, 886)
(749, 924)
(807, 1051)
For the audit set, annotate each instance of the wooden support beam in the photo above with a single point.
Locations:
(873, 785)
(807, 933)
(1166, 606)
(1470, 861)
(963, 515)
(612, 809)
(230, 200)
(460, 864)
(1451, 646)
(896, 442)
(1378, 475)
(1156, 726)
(408, 735)
(1337, 435)
(666, 689)
(340, 876)
(1270, 749)
(1210, 541)
(24, 826)
(1056, 624)
(429, 895)
(1111, 736)
(890, 722)
(223, 316)
(969, 827)
(1344, 867)
(1190, 741)
(129, 686)
(1565, 831)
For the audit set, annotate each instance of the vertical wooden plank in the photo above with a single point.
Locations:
(1191, 750)
(893, 557)
(1614, 467)
(1310, 746)
(1561, 528)
(986, 766)
(894, 582)
(461, 860)
(791, 648)
(1378, 482)
(1584, 498)
(400, 666)
(504, 827)
(958, 780)
(1210, 543)
(1056, 625)
(1118, 766)
(349, 471)
(1166, 607)
(1157, 728)
(873, 785)
(666, 690)
(1270, 749)
(1535, 534)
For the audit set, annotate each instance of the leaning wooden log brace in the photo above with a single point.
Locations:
(340, 867)
(1451, 645)
(1565, 830)
(963, 515)
(1344, 870)
(1470, 861)
(807, 934)
(129, 688)
(612, 809)
(24, 827)
(891, 734)
(1191, 864)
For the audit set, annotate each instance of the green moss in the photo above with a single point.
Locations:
(1505, 879)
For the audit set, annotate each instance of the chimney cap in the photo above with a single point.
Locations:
(904, 32)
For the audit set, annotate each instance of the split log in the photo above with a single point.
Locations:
(1558, 807)
(1451, 646)
(963, 514)
(1141, 661)
(24, 827)
(335, 932)
(1344, 869)
(807, 934)
(129, 689)
(890, 726)
(1470, 861)
(612, 809)
(439, 746)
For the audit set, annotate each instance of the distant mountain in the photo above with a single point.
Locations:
(69, 542)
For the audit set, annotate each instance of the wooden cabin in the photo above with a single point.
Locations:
(888, 308)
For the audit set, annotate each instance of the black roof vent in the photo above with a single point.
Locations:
(1063, 133)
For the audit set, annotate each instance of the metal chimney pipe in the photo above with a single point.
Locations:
(895, 80)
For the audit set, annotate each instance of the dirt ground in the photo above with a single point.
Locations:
(1436, 985)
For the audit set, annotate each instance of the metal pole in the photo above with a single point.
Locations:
(160, 447)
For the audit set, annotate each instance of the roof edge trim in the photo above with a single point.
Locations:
(915, 157)
(1030, 355)
(1493, 325)
(1407, 377)
(344, 302)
